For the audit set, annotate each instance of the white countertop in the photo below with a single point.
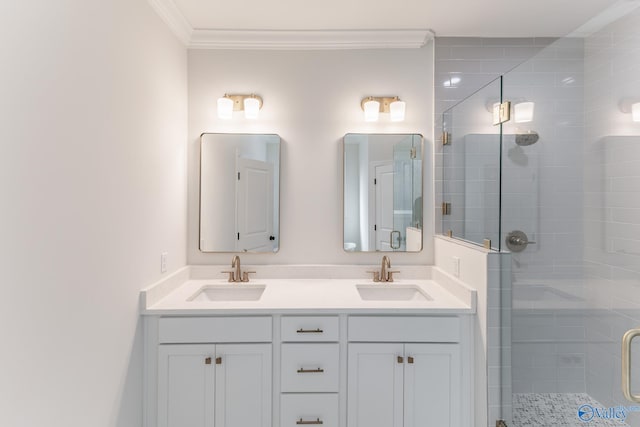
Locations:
(302, 295)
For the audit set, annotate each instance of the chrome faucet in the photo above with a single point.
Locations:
(385, 274)
(237, 275)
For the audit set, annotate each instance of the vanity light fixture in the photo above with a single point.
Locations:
(250, 104)
(373, 106)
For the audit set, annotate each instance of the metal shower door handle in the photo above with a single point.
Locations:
(626, 365)
(391, 239)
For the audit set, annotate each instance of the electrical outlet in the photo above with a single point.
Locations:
(456, 266)
(163, 262)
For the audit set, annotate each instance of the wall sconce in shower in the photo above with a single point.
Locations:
(250, 104)
(631, 106)
(523, 112)
(635, 112)
(373, 106)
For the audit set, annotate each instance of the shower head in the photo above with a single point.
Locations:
(529, 138)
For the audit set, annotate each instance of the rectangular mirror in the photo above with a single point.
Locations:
(239, 192)
(383, 192)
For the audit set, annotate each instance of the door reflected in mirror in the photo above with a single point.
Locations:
(239, 192)
(383, 192)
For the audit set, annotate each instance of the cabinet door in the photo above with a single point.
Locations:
(243, 385)
(375, 377)
(432, 385)
(186, 385)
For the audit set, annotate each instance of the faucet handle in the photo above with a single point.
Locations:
(231, 275)
(376, 275)
(245, 275)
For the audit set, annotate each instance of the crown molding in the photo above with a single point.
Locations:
(171, 15)
(309, 39)
(285, 39)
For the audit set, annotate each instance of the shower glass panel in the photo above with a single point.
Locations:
(571, 222)
(557, 191)
(542, 227)
(471, 168)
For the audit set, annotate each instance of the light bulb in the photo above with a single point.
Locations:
(396, 111)
(225, 108)
(251, 108)
(371, 110)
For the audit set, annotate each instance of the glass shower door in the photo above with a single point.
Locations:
(407, 195)
(571, 222)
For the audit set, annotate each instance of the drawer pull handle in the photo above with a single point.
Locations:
(303, 422)
(309, 331)
(310, 371)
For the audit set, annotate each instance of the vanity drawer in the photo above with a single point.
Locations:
(214, 329)
(310, 328)
(309, 409)
(310, 367)
(404, 329)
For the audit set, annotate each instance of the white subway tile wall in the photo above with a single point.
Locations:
(463, 65)
(499, 380)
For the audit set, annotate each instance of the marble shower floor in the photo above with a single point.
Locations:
(560, 409)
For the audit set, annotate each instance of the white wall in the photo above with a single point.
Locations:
(93, 182)
(311, 99)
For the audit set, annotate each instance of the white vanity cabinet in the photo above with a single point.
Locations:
(404, 372)
(310, 371)
(214, 383)
(293, 369)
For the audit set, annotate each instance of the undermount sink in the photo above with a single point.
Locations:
(391, 292)
(228, 292)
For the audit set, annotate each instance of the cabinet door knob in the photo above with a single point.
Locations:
(400, 359)
(207, 361)
(218, 360)
(410, 359)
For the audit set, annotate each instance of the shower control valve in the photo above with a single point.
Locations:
(517, 241)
